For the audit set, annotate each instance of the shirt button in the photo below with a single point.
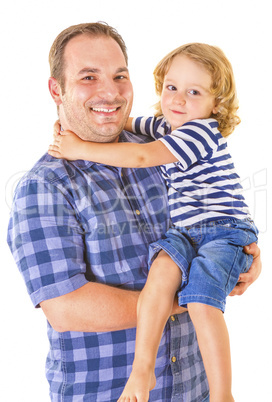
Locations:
(137, 212)
(173, 318)
(174, 359)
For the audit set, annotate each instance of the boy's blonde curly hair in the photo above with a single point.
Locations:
(223, 84)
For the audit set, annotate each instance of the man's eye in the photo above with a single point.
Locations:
(120, 77)
(88, 78)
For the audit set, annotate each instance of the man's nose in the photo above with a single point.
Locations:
(108, 89)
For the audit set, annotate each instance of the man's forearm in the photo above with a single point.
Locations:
(93, 308)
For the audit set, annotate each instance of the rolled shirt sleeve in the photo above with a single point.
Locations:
(46, 240)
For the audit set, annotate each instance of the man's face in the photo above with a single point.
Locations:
(98, 94)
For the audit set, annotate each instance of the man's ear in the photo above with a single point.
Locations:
(55, 90)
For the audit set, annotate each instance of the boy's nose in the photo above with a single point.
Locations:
(179, 99)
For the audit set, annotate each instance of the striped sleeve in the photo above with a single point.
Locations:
(154, 127)
(194, 141)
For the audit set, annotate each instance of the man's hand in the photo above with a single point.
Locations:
(245, 280)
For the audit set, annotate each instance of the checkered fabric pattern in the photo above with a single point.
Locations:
(74, 222)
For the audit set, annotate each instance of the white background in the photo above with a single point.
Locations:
(150, 29)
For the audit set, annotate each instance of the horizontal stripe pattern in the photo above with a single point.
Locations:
(203, 185)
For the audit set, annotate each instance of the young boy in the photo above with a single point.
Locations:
(201, 256)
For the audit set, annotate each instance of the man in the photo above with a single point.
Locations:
(80, 231)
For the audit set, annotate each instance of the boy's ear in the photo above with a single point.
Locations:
(55, 90)
(216, 108)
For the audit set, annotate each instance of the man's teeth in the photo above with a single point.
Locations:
(104, 110)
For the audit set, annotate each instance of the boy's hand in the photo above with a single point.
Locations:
(57, 128)
(66, 145)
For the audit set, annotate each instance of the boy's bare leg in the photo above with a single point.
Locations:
(213, 340)
(153, 309)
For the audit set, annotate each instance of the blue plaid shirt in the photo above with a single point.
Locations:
(74, 222)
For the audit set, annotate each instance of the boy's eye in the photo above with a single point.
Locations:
(193, 92)
(171, 87)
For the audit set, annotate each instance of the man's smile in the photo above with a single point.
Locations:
(104, 110)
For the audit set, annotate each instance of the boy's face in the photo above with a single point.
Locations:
(186, 92)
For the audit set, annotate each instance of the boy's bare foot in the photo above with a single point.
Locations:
(139, 384)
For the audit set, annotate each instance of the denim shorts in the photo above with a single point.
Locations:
(210, 256)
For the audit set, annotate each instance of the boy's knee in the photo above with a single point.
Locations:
(163, 260)
(202, 310)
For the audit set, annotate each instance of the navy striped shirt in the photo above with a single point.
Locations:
(203, 185)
